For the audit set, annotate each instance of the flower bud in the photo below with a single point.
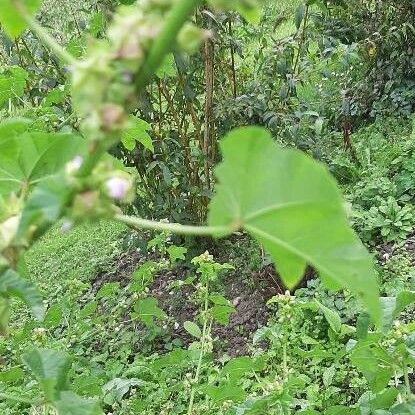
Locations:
(119, 187)
(74, 165)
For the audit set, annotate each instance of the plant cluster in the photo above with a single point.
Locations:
(116, 122)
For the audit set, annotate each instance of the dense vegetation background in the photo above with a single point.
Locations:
(157, 323)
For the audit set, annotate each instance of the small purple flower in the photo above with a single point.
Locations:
(118, 187)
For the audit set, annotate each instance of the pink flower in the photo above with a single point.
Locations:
(118, 187)
(74, 165)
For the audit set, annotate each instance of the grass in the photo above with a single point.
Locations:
(76, 254)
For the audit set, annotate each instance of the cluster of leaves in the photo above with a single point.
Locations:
(379, 182)
(385, 34)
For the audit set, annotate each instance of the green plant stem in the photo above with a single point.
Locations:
(205, 331)
(407, 382)
(176, 228)
(164, 42)
(284, 360)
(45, 37)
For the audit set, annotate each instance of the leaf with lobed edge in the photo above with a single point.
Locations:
(293, 207)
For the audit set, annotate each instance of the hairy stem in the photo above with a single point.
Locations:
(163, 44)
(176, 228)
(205, 332)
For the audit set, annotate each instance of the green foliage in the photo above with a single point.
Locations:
(144, 326)
(10, 15)
(246, 198)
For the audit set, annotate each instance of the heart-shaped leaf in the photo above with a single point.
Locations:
(292, 206)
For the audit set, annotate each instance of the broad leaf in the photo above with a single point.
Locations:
(222, 393)
(119, 387)
(222, 313)
(137, 130)
(393, 306)
(50, 368)
(70, 403)
(12, 284)
(147, 309)
(167, 68)
(193, 329)
(292, 205)
(375, 363)
(31, 157)
(45, 204)
(176, 253)
(237, 367)
(10, 17)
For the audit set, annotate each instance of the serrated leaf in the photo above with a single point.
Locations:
(12, 284)
(69, 403)
(10, 17)
(50, 368)
(193, 329)
(291, 205)
(137, 130)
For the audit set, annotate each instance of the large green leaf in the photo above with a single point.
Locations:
(10, 17)
(31, 157)
(50, 368)
(374, 362)
(12, 284)
(291, 205)
(70, 403)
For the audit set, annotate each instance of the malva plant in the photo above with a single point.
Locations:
(283, 198)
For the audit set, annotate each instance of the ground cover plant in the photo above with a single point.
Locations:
(206, 207)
